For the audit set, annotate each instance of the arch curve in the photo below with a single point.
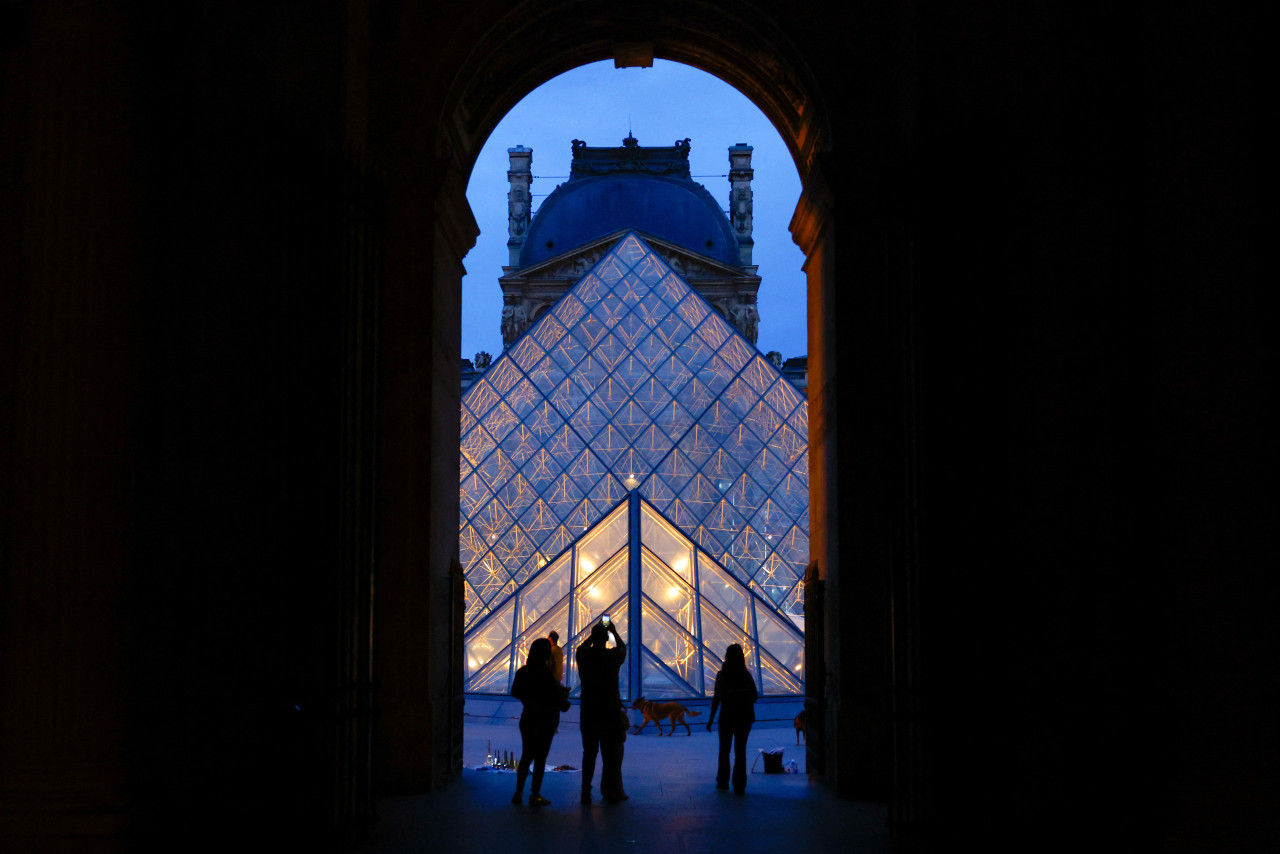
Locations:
(535, 42)
(487, 65)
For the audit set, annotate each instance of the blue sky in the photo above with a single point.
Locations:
(668, 102)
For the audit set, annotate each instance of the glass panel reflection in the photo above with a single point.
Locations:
(664, 541)
(781, 641)
(544, 591)
(602, 543)
(659, 683)
(724, 592)
(674, 647)
(598, 589)
(556, 619)
(493, 636)
(669, 592)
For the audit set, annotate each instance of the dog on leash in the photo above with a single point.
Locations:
(659, 712)
(800, 727)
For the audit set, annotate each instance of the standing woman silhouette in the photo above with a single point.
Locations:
(536, 688)
(736, 692)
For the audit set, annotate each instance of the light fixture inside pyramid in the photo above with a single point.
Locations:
(631, 381)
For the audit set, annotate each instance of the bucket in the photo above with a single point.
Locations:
(772, 761)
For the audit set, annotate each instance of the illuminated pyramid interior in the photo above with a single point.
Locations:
(632, 383)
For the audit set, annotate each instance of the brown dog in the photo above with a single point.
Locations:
(659, 712)
(800, 727)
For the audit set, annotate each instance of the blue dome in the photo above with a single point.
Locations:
(677, 210)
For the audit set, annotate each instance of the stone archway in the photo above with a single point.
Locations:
(259, 337)
(518, 49)
(230, 312)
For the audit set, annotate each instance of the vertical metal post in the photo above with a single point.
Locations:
(633, 594)
(753, 628)
(571, 622)
(696, 564)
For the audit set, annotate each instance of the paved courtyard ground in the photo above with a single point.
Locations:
(674, 807)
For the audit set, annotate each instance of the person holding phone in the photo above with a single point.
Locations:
(603, 727)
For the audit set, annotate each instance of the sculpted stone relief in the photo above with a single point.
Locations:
(578, 266)
(515, 318)
(518, 212)
(575, 267)
(745, 317)
(589, 161)
(742, 211)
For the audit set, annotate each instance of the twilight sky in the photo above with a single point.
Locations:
(662, 104)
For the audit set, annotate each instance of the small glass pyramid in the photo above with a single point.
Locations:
(690, 609)
(633, 382)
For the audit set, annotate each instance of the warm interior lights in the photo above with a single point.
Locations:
(704, 435)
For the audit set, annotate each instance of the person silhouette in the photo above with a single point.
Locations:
(736, 691)
(536, 688)
(557, 655)
(603, 723)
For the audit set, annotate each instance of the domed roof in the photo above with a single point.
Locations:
(647, 189)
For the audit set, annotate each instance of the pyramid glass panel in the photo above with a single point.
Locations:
(597, 591)
(670, 593)
(657, 682)
(632, 381)
(666, 543)
(620, 567)
(668, 644)
(493, 638)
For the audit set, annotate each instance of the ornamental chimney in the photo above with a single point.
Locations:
(518, 199)
(740, 199)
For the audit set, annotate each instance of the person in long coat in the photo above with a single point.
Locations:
(736, 693)
(536, 688)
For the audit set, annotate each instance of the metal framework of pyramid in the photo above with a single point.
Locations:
(633, 383)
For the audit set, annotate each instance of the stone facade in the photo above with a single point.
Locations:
(527, 293)
(531, 289)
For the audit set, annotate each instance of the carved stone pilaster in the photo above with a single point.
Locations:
(515, 318)
(520, 176)
(741, 198)
(745, 317)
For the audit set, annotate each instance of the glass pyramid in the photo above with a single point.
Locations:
(690, 609)
(631, 381)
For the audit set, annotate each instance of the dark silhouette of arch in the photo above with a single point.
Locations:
(232, 258)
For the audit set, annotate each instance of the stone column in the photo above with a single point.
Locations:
(518, 199)
(740, 198)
